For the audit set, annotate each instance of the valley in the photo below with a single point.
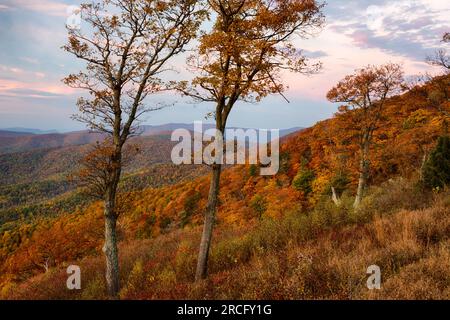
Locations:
(161, 213)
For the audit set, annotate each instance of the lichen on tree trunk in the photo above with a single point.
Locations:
(110, 247)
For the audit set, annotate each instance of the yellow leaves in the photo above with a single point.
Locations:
(418, 117)
(249, 44)
(6, 287)
(71, 80)
(76, 46)
(438, 121)
(161, 5)
(319, 185)
(368, 86)
(114, 23)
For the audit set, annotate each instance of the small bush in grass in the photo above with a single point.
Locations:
(6, 289)
(227, 254)
(298, 226)
(185, 261)
(394, 195)
(94, 289)
(268, 234)
(436, 171)
(136, 280)
(326, 214)
(166, 278)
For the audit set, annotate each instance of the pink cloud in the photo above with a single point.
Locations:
(360, 38)
(12, 88)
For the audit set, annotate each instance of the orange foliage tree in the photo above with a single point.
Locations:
(240, 59)
(364, 94)
(125, 51)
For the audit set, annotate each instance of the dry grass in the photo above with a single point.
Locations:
(320, 255)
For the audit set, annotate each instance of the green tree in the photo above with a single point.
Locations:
(258, 204)
(436, 171)
(303, 180)
(253, 171)
(339, 182)
(285, 157)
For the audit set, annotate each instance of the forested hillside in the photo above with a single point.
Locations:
(277, 236)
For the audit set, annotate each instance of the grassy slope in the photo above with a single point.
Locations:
(322, 254)
(303, 243)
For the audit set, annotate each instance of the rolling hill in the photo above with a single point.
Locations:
(275, 238)
(12, 141)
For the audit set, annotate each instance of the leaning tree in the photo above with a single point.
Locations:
(241, 59)
(365, 94)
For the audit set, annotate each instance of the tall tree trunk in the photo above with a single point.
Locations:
(110, 250)
(210, 216)
(363, 171)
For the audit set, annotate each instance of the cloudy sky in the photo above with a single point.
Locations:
(357, 33)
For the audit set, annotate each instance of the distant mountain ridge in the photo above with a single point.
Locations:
(6, 133)
(24, 139)
(10, 142)
(29, 130)
(51, 163)
(157, 129)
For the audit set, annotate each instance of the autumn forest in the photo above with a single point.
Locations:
(365, 189)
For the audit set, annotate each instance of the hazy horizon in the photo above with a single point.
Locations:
(52, 130)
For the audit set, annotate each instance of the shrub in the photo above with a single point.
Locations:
(340, 182)
(229, 253)
(285, 158)
(436, 171)
(303, 181)
(136, 279)
(165, 223)
(253, 170)
(259, 204)
(95, 289)
(327, 214)
(186, 260)
(394, 195)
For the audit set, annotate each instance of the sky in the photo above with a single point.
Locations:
(356, 33)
